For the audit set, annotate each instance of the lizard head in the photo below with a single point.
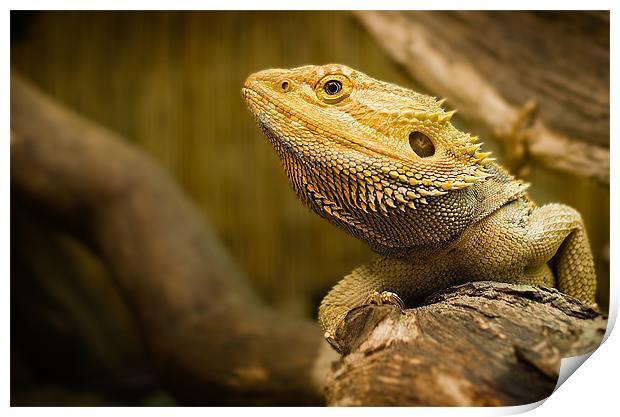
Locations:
(370, 156)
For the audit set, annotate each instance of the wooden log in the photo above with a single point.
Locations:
(478, 344)
(536, 81)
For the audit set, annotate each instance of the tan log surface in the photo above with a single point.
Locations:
(493, 66)
(478, 344)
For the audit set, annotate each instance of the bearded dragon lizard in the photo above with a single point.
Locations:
(386, 165)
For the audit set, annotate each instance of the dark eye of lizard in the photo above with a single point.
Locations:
(421, 144)
(332, 87)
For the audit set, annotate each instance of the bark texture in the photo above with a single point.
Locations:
(478, 344)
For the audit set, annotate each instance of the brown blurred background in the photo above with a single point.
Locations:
(170, 82)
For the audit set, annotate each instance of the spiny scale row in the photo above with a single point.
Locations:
(433, 117)
(472, 149)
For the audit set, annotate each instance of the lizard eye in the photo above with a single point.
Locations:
(421, 144)
(332, 87)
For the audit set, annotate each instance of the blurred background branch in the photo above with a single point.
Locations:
(207, 335)
(490, 66)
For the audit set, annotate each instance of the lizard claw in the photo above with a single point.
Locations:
(334, 326)
(331, 339)
(384, 297)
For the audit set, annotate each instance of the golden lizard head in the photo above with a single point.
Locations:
(355, 147)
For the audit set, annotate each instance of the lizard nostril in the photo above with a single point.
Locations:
(284, 85)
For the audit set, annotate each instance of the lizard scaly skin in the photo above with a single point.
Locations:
(385, 164)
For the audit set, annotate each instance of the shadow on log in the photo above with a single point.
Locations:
(210, 339)
(477, 344)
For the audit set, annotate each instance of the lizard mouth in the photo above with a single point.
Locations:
(251, 97)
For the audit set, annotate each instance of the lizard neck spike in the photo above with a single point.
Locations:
(482, 157)
(420, 115)
(471, 149)
(444, 118)
(434, 117)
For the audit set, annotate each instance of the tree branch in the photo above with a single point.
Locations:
(478, 344)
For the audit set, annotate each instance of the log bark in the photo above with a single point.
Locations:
(514, 75)
(478, 344)
(213, 342)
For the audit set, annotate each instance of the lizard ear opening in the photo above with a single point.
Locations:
(421, 144)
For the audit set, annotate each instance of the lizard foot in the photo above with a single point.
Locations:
(384, 297)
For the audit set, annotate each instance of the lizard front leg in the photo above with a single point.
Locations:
(559, 230)
(361, 287)
(524, 244)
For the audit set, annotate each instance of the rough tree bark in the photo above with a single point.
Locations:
(478, 344)
(514, 75)
(210, 338)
